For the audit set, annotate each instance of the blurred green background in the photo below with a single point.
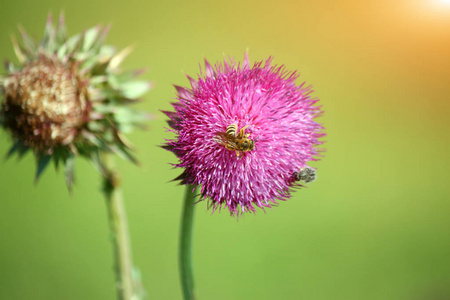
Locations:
(374, 226)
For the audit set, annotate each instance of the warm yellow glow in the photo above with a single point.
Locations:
(427, 16)
(441, 4)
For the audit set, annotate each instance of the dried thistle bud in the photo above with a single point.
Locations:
(67, 97)
(45, 104)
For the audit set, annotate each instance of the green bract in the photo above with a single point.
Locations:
(67, 97)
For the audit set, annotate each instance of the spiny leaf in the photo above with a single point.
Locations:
(123, 140)
(104, 108)
(89, 38)
(101, 39)
(110, 94)
(125, 76)
(97, 161)
(62, 51)
(48, 42)
(123, 153)
(119, 57)
(114, 81)
(135, 89)
(56, 159)
(106, 53)
(69, 165)
(89, 62)
(126, 128)
(59, 154)
(61, 34)
(97, 79)
(9, 66)
(97, 141)
(42, 163)
(125, 115)
(75, 43)
(22, 150)
(21, 56)
(15, 147)
(29, 44)
(95, 126)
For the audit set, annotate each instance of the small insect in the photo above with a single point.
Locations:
(232, 129)
(234, 141)
(306, 175)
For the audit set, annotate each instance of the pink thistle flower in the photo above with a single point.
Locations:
(267, 109)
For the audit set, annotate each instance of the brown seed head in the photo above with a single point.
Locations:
(45, 104)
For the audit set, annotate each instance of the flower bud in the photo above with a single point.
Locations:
(45, 104)
(68, 97)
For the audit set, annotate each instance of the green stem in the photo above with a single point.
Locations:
(186, 273)
(123, 262)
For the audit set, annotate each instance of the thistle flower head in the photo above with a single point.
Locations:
(67, 97)
(243, 133)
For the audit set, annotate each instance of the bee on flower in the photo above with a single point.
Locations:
(234, 141)
(242, 131)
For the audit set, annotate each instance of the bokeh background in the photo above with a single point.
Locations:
(374, 226)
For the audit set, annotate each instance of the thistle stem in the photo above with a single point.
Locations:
(123, 261)
(187, 219)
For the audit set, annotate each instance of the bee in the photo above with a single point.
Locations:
(305, 175)
(234, 141)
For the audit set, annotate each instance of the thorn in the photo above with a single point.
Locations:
(209, 70)
(193, 82)
(61, 18)
(246, 63)
(119, 57)
(19, 53)
(49, 19)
